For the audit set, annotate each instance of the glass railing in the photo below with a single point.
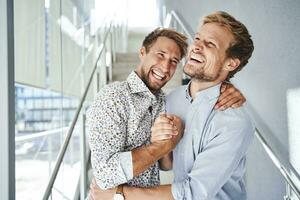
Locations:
(62, 59)
(99, 76)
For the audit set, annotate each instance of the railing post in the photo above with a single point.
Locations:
(287, 195)
(97, 81)
(102, 70)
(83, 174)
(114, 44)
(109, 56)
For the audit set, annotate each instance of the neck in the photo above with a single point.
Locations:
(199, 85)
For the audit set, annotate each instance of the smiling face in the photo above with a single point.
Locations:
(206, 59)
(158, 65)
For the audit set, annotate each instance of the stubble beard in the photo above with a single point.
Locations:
(199, 74)
(146, 79)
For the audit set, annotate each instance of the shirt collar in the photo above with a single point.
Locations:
(136, 85)
(209, 93)
(187, 93)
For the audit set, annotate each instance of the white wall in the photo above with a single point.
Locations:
(271, 72)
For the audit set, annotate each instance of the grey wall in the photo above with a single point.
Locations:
(272, 70)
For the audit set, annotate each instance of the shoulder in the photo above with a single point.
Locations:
(111, 97)
(111, 94)
(233, 121)
(113, 91)
(233, 115)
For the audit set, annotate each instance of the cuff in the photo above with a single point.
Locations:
(126, 164)
(178, 190)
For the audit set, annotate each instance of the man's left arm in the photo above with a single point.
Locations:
(162, 192)
(230, 96)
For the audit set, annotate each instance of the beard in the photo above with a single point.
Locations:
(199, 74)
(145, 77)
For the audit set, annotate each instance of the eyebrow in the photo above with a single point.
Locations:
(211, 38)
(162, 51)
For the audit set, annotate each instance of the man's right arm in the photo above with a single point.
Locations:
(112, 166)
(167, 136)
(106, 122)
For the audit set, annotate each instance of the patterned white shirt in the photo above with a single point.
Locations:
(120, 120)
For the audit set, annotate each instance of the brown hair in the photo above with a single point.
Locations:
(178, 38)
(242, 47)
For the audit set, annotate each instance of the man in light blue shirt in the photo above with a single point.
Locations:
(209, 161)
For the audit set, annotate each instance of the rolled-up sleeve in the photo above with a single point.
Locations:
(215, 164)
(112, 165)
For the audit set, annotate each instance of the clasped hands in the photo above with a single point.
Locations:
(166, 131)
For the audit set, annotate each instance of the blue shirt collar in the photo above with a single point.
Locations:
(209, 93)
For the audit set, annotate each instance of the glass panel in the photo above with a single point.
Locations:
(56, 49)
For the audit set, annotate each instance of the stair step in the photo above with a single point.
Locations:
(127, 57)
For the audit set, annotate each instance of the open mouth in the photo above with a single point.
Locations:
(196, 59)
(157, 74)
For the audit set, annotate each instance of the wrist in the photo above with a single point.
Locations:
(157, 150)
(119, 195)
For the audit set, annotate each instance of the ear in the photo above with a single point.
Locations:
(232, 64)
(142, 52)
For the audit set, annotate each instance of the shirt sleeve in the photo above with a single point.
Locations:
(215, 164)
(111, 165)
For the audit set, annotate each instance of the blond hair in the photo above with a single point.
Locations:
(242, 46)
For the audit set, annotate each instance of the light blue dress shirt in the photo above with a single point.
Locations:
(209, 161)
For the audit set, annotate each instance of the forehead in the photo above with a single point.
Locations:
(217, 32)
(166, 44)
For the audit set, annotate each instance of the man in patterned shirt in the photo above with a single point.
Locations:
(121, 117)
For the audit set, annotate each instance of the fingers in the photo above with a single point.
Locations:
(92, 190)
(238, 104)
(161, 137)
(98, 193)
(163, 126)
(231, 101)
(228, 104)
(224, 86)
(231, 96)
(164, 118)
(163, 134)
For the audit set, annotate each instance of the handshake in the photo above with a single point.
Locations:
(166, 131)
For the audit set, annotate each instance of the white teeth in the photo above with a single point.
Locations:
(157, 74)
(157, 77)
(197, 59)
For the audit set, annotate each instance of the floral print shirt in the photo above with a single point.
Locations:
(120, 120)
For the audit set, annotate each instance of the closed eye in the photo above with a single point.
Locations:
(161, 55)
(197, 38)
(175, 62)
(211, 44)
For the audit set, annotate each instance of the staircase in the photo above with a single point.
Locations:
(127, 62)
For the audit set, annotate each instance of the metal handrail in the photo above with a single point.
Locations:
(74, 121)
(174, 15)
(275, 159)
(270, 151)
(40, 134)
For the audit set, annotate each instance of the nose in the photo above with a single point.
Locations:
(197, 46)
(166, 65)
